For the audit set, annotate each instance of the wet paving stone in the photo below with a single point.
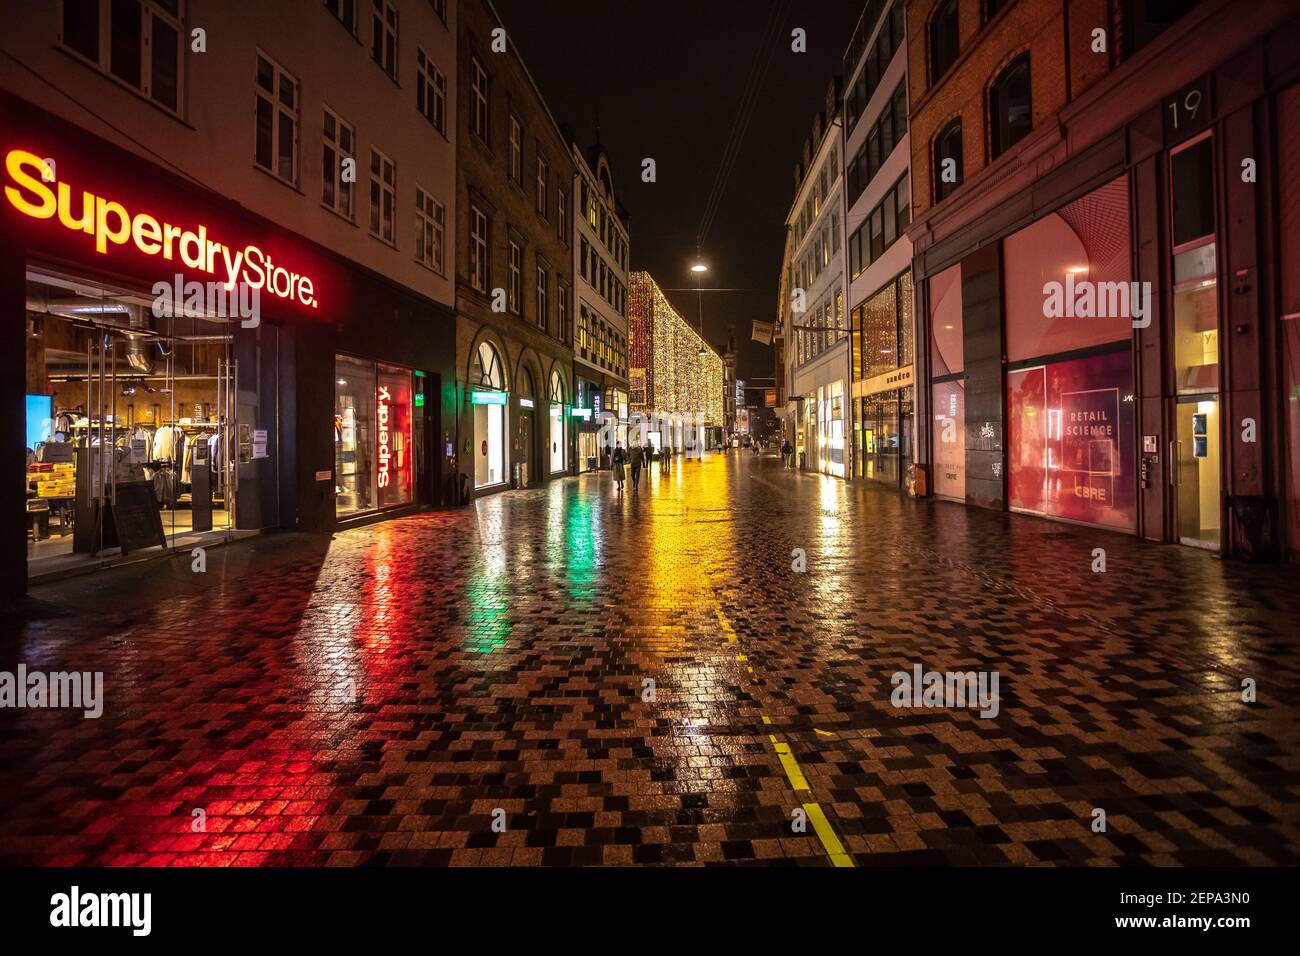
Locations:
(637, 680)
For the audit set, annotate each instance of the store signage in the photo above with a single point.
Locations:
(897, 378)
(385, 478)
(525, 403)
(487, 398)
(583, 413)
(35, 194)
(597, 403)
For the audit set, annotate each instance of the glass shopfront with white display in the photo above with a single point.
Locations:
(373, 436)
(489, 400)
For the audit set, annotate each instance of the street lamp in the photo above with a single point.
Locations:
(699, 268)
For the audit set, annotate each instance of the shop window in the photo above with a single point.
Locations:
(128, 399)
(393, 446)
(947, 160)
(944, 39)
(1071, 442)
(338, 143)
(276, 120)
(383, 38)
(1072, 275)
(430, 228)
(488, 399)
(355, 395)
(383, 196)
(946, 347)
(430, 91)
(557, 422)
(144, 42)
(478, 249)
(1011, 115)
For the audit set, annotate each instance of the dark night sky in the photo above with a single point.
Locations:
(665, 79)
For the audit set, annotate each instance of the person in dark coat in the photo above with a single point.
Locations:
(618, 458)
(636, 458)
(665, 459)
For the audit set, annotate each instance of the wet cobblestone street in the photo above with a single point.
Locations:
(644, 679)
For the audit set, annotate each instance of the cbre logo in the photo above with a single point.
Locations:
(110, 224)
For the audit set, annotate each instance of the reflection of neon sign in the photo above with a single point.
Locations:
(110, 223)
(385, 397)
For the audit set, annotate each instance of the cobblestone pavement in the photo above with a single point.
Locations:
(384, 695)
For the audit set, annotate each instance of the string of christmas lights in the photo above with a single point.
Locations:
(668, 374)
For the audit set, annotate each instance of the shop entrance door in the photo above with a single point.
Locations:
(525, 448)
(1196, 473)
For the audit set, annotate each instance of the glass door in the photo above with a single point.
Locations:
(1196, 474)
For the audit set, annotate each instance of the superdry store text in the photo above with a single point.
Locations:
(185, 372)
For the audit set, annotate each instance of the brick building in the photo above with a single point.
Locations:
(514, 269)
(1100, 208)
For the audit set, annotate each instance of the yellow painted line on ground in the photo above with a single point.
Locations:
(838, 855)
(821, 826)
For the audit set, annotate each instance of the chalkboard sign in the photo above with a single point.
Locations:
(136, 518)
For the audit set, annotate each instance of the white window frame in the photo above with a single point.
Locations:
(515, 277)
(543, 295)
(333, 153)
(543, 184)
(384, 22)
(351, 27)
(277, 109)
(481, 93)
(479, 248)
(561, 214)
(380, 190)
(515, 153)
(102, 62)
(431, 87)
(430, 231)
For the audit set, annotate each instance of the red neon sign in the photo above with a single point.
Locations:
(385, 399)
(110, 224)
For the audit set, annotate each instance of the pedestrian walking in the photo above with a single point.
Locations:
(665, 459)
(787, 453)
(618, 458)
(636, 458)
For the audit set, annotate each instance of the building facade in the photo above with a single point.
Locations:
(878, 256)
(514, 269)
(163, 404)
(1107, 314)
(675, 375)
(601, 252)
(817, 351)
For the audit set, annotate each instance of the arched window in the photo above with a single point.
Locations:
(487, 372)
(557, 389)
(947, 146)
(945, 41)
(1011, 115)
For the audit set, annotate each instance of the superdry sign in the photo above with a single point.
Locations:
(34, 190)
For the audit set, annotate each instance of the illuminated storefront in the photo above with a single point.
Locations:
(373, 419)
(883, 335)
(191, 371)
(1070, 440)
(488, 398)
